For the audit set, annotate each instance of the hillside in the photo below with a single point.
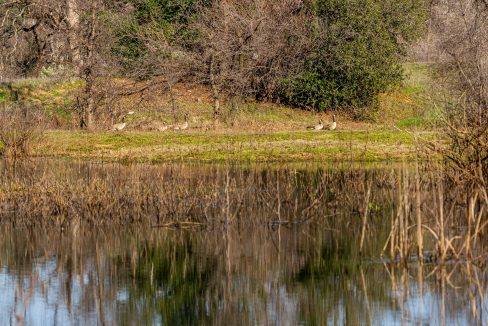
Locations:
(258, 132)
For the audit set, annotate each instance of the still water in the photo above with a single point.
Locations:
(274, 251)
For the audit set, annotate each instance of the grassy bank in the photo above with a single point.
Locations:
(238, 147)
(258, 132)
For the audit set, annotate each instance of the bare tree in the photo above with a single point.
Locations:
(90, 38)
(75, 33)
(462, 30)
(32, 35)
(248, 46)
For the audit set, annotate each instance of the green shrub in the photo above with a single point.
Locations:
(358, 51)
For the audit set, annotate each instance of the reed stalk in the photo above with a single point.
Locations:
(418, 213)
(365, 216)
(442, 238)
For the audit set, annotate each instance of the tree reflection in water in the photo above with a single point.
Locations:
(194, 277)
(109, 244)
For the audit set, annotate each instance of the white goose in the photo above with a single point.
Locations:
(333, 125)
(183, 126)
(317, 127)
(121, 126)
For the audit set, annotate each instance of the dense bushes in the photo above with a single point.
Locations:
(358, 52)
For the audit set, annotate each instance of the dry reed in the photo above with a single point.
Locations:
(418, 216)
(21, 127)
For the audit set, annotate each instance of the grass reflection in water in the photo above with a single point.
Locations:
(84, 243)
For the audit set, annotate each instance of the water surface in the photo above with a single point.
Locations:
(259, 245)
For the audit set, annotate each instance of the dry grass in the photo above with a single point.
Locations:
(21, 128)
(379, 208)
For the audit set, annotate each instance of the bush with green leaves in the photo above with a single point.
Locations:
(358, 52)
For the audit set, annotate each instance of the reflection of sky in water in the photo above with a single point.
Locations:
(282, 304)
(42, 304)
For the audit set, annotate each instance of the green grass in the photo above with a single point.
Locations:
(366, 146)
(411, 105)
(411, 122)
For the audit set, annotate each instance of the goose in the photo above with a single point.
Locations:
(159, 126)
(183, 126)
(320, 126)
(333, 125)
(121, 126)
(163, 128)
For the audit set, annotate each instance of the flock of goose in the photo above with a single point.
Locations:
(121, 126)
(184, 126)
(321, 126)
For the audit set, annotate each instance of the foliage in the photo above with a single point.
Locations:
(358, 52)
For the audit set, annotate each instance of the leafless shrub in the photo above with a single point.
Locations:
(20, 129)
(462, 33)
(248, 46)
(457, 221)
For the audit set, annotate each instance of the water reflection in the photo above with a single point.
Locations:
(217, 245)
(289, 276)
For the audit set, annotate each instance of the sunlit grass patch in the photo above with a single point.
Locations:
(409, 105)
(232, 147)
(414, 121)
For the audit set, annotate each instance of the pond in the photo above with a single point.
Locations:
(88, 243)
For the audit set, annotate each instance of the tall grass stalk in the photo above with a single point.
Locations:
(21, 128)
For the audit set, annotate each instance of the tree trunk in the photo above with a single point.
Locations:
(174, 105)
(234, 108)
(216, 113)
(73, 18)
(215, 92)
(86, 72)
(89, 112)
